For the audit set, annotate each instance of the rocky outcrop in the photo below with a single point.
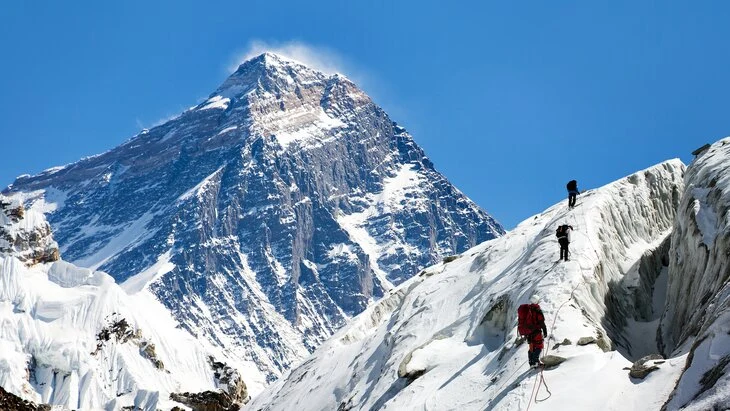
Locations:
(641, 367)
(11, 402)
(27, 239)
(230, 381)
(552, 360)
(206, 401)
(119, 331)
(586, 340)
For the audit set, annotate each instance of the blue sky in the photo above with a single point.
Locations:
(509, 100)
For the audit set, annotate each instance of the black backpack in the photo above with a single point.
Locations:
(562, 231)
(572, 185)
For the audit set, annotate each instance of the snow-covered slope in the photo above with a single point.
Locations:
(445, 340)
(264, 217)
(72, 337)
(698, 315)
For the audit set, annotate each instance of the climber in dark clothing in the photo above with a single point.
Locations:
(563, 234)
(572, 193)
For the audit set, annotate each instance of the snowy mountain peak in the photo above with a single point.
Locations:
(264, 217)
(268, 72)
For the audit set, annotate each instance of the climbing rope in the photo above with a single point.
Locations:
(532, 394)
(540, 379)
(536, 385)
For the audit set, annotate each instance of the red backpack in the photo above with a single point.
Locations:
(527, 319)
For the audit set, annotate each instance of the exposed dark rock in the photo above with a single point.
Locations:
(710, 378)
(32, 246)
(11, 402)
(586, 340)
(16, 213)
(119, 331)
(640, 369)
(450, 258)
(147, 350)
(564, 342)
(206, 401)
(552, 360)
(604, 344)
(411, 375)
(230, 381)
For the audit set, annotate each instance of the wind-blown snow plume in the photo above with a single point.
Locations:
(319, 58)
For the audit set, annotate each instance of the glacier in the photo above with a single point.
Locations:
(697, 319)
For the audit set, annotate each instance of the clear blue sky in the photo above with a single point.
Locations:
(509, 99)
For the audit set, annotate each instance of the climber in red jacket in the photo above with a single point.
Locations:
(531, 325)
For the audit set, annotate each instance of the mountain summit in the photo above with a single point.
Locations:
(264, 217)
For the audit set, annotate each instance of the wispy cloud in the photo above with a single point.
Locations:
(317, 57)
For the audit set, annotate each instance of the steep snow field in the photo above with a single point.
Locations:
(445, 340)
(72, 337)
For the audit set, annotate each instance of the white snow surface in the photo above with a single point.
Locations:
(456, 322)
(50, 318)
(300, 125)
(216, 102)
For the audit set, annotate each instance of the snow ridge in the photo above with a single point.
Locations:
(445, 339)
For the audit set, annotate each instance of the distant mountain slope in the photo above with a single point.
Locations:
(265, 216)
(445, 340)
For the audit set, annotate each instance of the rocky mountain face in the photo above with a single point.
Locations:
(264, 217)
